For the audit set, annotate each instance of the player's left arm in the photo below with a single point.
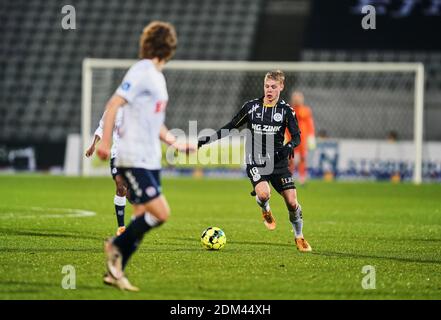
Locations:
(168, 138)
(112, 106)
(293, 128)
(98, 135)
(292, 125)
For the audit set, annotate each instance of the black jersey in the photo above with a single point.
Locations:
(266, 131)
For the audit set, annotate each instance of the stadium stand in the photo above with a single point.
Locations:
(41, 80)
(40, 83)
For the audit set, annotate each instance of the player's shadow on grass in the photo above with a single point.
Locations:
(365, 256)
(253, 243)
(261, 243)
(49, 234)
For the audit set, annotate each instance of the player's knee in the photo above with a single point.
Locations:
(164, 214)
(264, 195)
(292, 204)
(121, 190)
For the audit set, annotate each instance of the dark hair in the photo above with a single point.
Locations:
(158, 40)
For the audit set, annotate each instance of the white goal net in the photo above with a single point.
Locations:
(357, 105)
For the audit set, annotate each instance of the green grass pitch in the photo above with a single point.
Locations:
(394, 227)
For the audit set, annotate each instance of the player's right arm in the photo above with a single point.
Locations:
(112, 106)
(97, 137)
(238, 120)
(91, 149)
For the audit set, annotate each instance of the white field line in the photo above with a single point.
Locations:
(57, 213)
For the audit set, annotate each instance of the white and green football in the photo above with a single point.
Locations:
(213, 238)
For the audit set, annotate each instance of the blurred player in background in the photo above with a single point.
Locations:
(308, 142)
(121, 188)
(267, 118)
(143, 98)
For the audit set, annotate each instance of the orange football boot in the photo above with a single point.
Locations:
(269, 220)
(303, 245)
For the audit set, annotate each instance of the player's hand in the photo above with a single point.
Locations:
(291, 153)
(286, 152)
(311, 143)
(185, 147)
(103, 151)
(90, 151)
(202, 141)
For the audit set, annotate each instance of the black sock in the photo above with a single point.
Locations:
(120, 205)
(129, 240)
(119, 210)
(131, 250)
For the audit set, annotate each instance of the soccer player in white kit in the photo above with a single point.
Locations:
(121, 188)
(143, 98)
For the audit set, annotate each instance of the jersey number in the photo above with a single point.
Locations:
(255, 174)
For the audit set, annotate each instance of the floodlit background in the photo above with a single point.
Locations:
(44, 45)
(376, 99)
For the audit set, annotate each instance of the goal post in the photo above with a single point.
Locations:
(356, 91)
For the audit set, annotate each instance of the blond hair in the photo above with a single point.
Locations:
(276, 75)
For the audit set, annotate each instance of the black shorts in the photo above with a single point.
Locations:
(281, 180)
(144, 185)
(113, 170)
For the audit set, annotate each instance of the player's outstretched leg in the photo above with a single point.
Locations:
(121, 248)
(263, 194)
(120, 203)
(296, 218)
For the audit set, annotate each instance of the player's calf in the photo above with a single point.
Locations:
(120, 203)
(147, 216)
(296, 219)
(263, 195)
(120, 206)
(129, 241)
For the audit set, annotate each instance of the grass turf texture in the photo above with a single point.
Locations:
(396, 228)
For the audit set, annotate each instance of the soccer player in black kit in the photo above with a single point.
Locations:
(266, 155)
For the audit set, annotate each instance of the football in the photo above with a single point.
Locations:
(213, 238)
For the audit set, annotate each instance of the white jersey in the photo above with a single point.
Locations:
(145, 90)
(115, 138)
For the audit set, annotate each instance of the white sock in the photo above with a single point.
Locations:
(296, 219)
(264, 205)
(119, 201)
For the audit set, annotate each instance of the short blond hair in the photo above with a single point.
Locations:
(158, 40)
(276, 75)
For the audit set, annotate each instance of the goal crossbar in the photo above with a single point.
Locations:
(416, 68)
